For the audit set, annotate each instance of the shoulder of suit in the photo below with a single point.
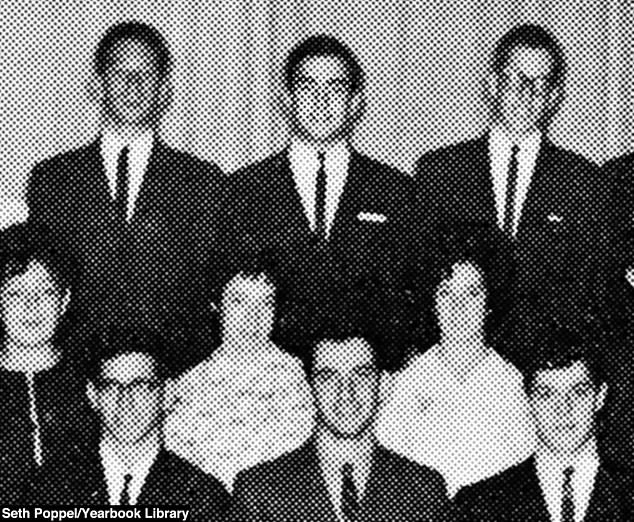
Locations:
(570, 160)
(67, 162)
(189, 164)
(269, 165)
(184, 472)
(619, 169)
(279, 470)
(410, 471)
(506, 481)
(451, 150)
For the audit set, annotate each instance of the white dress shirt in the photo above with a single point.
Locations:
(139, 152)
(115, 470)
(333, 454)
(304, 158)
(467, 428)
(550, 471)
(242, 406)
(500, 149)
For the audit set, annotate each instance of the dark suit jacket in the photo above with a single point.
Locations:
(292, 488)
(171, 482)
(361, 257)
(154, 270)
(561, 234)
(515, 496)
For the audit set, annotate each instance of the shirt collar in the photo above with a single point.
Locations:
(500, 138)
(584, 462)
(112, 141)
(334, 453)
(145, 457)
(304, 152)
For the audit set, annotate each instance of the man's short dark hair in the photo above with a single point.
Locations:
(534, 37)
(115, 340)
(339, 324)
(24, 243)
(323, 45)
(561, 349)
(139, 32)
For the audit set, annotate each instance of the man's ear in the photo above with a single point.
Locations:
(357, 106)
(603, 393)
(555, 98)
(65, 301)
(492, 85)
(95, 89)
(91, 392)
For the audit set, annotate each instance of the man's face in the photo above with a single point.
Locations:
(322, 105)
(129, 397)
(248, 305)
(132, 85)
(524, 93)
(564, 404)
(346, 386)
(461, 300)
(32, 306)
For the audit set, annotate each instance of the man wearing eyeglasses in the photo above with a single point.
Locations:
(128, 464)
(539, 198)
(332, 218)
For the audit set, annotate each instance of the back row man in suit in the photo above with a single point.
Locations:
(331, 218)
(142, 219)
(544, 202)
(566, 479)
(341, 474)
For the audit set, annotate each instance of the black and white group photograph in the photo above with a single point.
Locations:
(317, 261)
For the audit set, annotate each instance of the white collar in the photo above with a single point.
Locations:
(145, 456)
(584, 461)
(501, 138)
(302, 151)
(334, 452)
(111, 140)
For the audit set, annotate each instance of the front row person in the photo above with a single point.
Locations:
(128, 465)
(565, 480)
(341, 473)
(249, 401)
(43, 404)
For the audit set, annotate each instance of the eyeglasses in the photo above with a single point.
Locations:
(134, 387)
(518, 82)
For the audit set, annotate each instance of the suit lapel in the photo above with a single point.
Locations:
(350, 196)
(154, 490)
(538, 189)
(286, 191)
(605, 504)
(480, 178)
(529, 504)
(373, 502)
(313, 498)
(96, 190)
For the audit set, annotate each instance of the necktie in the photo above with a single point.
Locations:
(125, 493)
(320, 199)
(349, 495)
(121, 196)
(567, 499)
(511, 189)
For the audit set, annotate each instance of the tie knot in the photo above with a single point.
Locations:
(347, 470)
(515, 150)
(126, 480)
(568, 472)
(321, 156)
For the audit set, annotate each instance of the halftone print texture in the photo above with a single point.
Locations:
(319, 261)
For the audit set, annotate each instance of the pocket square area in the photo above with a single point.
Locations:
(371, 217)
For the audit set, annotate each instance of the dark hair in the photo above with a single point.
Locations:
(560, 349)
(534, 37)
(323, 45)
(339, 321)
(24, 243)
(139, 32)
(116, 340)
(486, 250)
